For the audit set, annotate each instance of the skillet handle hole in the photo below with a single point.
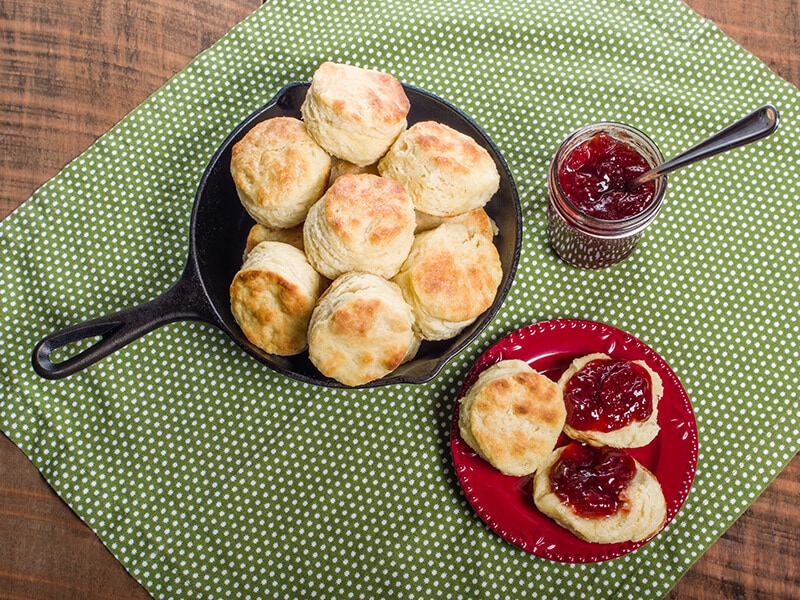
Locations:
(66, 352)
(73, 348)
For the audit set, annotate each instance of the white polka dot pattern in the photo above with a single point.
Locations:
(210, 476)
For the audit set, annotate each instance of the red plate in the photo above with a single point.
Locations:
(505, 503)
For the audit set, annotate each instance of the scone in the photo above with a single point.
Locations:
(446, 172)
(361, 329)
(450, 277)
(272, 297)
(611, 402)
(362, 223)
(476, 221)
(261, 233)
(512, 417)
(354, 113)
(600, 494)
(279, 171)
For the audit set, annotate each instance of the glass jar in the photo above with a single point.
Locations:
(590, 242)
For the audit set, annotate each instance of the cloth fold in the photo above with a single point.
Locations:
(208, 475)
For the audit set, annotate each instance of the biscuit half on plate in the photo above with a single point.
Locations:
(600, 494)
(611, 402)
(512, 417)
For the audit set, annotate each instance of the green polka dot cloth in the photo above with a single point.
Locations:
(210, 476)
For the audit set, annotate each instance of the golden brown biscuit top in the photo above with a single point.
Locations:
(361, 95)
(455, 275)
(291, 297)
(366, 207)
(361, 329)
(356, 318)
(528, 397)
(261, 233)
(356, 321)
(450, 149)
(273, 155)
(476, 221)
(272, 297)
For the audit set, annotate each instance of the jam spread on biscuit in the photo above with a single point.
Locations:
(606, 395)
(595, 175)
(591, 480)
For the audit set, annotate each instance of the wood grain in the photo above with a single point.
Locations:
(46, 552)
(69, 71)
(770, 29)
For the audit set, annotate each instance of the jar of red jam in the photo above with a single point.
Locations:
(593, 219)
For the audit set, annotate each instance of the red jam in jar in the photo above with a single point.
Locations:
(606, 395)
(593, 220)
(595, 175)
(591, 480)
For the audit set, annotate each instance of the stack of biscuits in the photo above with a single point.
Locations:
(513, 417)
(370, 236)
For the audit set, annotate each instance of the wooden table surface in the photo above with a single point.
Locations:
(70, 70)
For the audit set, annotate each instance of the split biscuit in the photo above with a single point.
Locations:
(354, 113)
(362, 223)
(361, 329)
(642, 514)
(446, 172)
(512, 417)
(633, 435)
(279, 171)
(272, 297)
(449, 278)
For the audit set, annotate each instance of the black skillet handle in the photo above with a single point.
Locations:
(185, 300)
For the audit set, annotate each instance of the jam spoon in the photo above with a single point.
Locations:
(758, 124)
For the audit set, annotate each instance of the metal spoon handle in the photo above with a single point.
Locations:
(758, 124)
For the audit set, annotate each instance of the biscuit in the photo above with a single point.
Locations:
(354, 113)
(512, 417)
(261, 233)
(279, 171)
(362, 223)
(633, 435)
(476, 221)
(446, 172)
(361, 329)
(341, 167)
(272, 297)
(449, 278)
(640, 516)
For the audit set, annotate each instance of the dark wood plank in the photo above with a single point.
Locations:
(47, 552)
(770, 29)
(759, 556)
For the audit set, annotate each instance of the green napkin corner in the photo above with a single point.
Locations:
(210, 476)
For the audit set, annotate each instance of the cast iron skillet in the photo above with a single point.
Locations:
(218, 231)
